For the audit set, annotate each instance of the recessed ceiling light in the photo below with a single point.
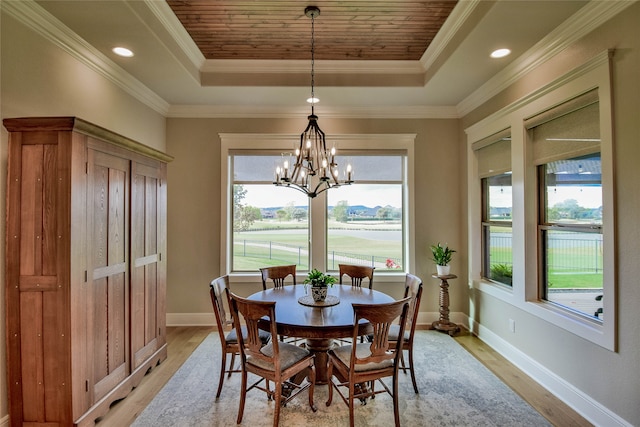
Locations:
(500, 53)
(123, 51)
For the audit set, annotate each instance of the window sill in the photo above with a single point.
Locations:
(600, 333)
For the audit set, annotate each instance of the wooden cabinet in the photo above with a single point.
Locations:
(85, 269)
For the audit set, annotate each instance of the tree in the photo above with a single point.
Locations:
(281, 214)
(243, 215)
(246, 216)
(341, 211)
(299, 214)
(384, 212)
(289, 211)
(239, 193)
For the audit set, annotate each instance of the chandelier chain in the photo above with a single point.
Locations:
(312, 169)
(313, 50)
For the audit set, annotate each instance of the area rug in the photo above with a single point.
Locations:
(455, 390)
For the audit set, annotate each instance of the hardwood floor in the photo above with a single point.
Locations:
(183, 340)
(549, 406)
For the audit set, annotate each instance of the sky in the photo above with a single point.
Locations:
(587, 196)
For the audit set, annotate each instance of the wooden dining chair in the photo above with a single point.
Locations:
(226, 328)
(357, 273)
(277, 361)
(277, 275)
(357, 367)
(413, 290)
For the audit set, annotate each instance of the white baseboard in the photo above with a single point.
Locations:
(191, 319)
(590, 409)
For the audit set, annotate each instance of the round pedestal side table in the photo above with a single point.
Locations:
(443, 324)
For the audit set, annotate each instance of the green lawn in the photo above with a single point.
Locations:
(257, 253)
(575, 281)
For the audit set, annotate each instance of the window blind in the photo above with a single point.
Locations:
(569, 130)
(493, 154)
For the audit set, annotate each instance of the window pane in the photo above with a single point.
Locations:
(499, 261)
(573, 267)
(365, 226)
(270, 227)
(499, 199)
(574, 191)
(497, 256)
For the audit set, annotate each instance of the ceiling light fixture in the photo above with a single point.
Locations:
(500, 53)
(122, 51)
(315, 169)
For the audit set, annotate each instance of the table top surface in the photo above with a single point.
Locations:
(336, 321)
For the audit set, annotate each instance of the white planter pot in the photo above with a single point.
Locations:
(319, 293)
(443, 270)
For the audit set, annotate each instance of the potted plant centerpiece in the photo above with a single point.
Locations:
(319, 282)
(442, 258)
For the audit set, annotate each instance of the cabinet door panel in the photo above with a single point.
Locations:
(147, 280)
(108, 230)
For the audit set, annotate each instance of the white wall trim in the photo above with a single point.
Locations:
(29, 13)
(586, 406)
(172, 24)
(255, 111)
(587, 19)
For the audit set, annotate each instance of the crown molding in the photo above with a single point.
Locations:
(279, 66)
(29, 13)
(587, 19)
(452, 25)
(250, 111)
(171, 23)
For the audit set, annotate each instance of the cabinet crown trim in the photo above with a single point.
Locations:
(34, 124)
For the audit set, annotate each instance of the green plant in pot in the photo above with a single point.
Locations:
(319, 282)
(442, 257)
(502, 273)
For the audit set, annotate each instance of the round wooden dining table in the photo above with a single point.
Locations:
(318, 324)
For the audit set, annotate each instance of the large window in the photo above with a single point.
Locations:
(365, 220)
(549, 191)
(364, 223)
(494, 170)
(571, 205)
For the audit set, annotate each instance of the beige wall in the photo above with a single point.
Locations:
(39, 79)
(611, 378)
(194, 200)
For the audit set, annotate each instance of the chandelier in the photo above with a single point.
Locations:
(315, 169)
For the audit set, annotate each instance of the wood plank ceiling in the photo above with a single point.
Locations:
(353, 30)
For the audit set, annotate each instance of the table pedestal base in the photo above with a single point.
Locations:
(320, 347)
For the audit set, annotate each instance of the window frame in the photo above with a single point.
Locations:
(545, 225)
(525, 295)
(273, 143)
(487, 223)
